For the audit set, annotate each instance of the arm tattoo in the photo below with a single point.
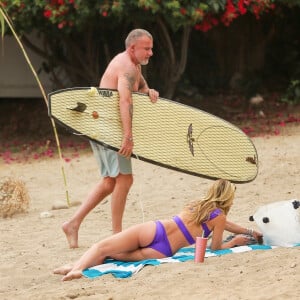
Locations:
(130, 81)
(131, 111)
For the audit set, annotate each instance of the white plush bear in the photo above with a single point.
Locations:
(279, 223)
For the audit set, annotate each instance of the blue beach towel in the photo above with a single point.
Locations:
(121, 269)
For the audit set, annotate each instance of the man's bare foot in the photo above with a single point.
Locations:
(71, 233)
(72, 275)
(64, 270)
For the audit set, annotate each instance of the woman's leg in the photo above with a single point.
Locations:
(127, 242)
(63, 270)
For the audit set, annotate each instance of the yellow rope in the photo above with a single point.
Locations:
(9, 23)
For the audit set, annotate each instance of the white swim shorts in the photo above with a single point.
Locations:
(110, 162)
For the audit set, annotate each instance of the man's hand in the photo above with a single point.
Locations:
(153, 94)
(126, 147)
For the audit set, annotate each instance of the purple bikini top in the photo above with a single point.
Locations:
(206, 232)
(216, 212)
(184, 230)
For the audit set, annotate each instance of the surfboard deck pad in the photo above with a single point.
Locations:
(165, 133)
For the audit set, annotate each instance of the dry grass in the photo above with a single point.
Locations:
(14, 197)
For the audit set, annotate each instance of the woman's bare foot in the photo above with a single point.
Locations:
(64, 270)
(71, 233)
(72, 275)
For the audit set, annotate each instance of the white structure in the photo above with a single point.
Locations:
(16, 77)
(279, 222)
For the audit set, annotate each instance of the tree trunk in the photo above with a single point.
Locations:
(240, 48)
(171, 62)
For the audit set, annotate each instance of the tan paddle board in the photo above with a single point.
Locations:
(166, 133)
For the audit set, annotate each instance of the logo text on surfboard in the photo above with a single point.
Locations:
(105, 93)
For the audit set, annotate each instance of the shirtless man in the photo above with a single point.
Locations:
(124, 74)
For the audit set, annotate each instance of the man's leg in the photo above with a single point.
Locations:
(101, 190)
(118, 201)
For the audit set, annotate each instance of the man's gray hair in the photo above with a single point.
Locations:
(135, 34)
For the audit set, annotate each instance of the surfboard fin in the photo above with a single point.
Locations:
(80, 107)
(252, 160)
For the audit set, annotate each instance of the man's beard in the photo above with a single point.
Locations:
(144, 62)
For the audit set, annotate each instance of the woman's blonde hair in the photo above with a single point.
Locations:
(220, 195)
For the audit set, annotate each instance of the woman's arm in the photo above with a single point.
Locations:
(237, 229)
(217, 239)
(221, 224)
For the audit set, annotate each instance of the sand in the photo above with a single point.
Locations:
(31, 246)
